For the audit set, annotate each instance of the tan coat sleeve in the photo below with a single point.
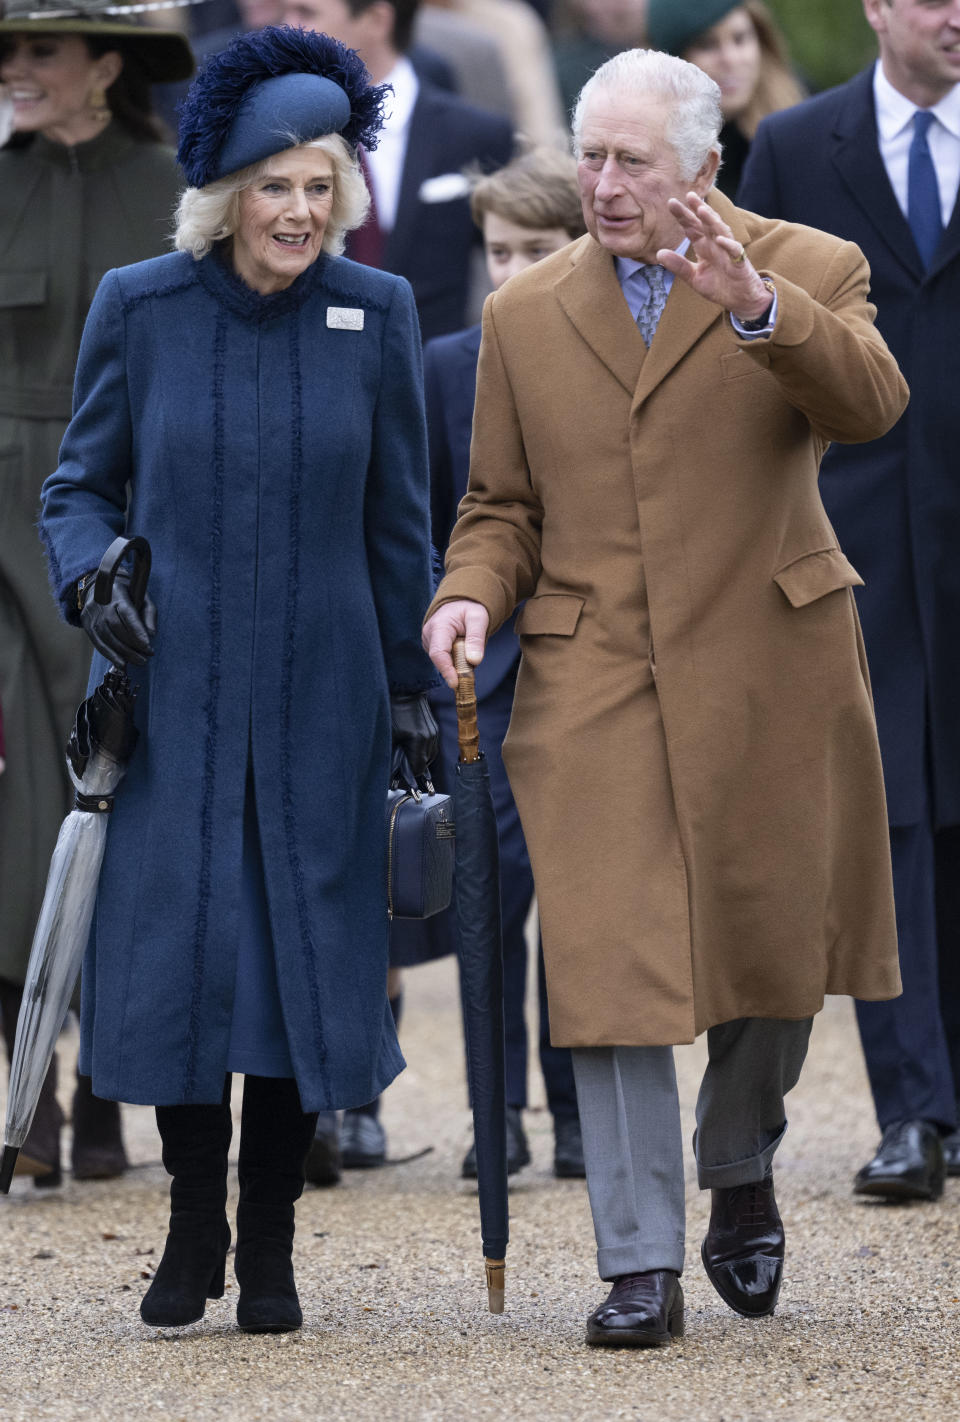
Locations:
(494, 552)
(828, 356)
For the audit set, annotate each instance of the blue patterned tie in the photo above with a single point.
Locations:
(923, 194)
(652, 309)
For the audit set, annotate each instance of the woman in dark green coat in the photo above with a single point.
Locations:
(85, 185)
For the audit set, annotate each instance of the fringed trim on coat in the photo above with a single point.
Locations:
(286, 696)
(215, 615)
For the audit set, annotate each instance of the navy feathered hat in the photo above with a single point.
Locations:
(269, 90)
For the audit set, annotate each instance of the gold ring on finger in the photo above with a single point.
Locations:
(740, 258)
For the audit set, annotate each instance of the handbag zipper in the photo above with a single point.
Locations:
(393, 819)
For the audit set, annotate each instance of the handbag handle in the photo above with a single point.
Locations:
(468, 733)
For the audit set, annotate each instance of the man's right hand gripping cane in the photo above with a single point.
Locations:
(462, 618)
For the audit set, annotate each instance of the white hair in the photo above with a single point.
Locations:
(212, 214)
(695, 116)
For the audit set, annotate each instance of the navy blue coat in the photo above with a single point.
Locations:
(278, 467)
(450, 387)
(895, 503)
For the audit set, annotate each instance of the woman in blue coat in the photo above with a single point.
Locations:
(260, 397)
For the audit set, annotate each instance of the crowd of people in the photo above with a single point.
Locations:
(683, 422)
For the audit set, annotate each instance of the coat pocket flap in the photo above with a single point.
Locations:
(816, 574)
(555, 614)
(23, 288)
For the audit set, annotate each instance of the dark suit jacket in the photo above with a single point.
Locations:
(431, 242)
(895, 502)
(450, 383)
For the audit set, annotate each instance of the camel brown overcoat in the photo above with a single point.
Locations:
(693, 749)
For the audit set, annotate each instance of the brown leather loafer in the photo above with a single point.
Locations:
(744, 1246)
(640, 1311)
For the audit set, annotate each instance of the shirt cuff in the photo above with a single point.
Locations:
(764, 331)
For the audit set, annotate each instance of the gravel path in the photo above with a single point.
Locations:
(389, 1271)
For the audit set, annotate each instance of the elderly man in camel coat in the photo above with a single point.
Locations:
(692, 749)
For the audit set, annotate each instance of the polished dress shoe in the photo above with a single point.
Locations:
(640, 1311)
(323, 1163)
(909, 1164)
(518, 1151)
(744, 1246)
(363, 1141)
(951, 1153)
(568, 1161)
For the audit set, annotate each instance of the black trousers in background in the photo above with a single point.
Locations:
(912, 1044)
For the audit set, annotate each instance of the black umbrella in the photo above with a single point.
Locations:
(480, 954)
(100, 746)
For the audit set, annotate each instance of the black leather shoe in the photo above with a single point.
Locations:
(744, 1246)
(518, 1151)
(909, 1164)
(951, 1153)
(363, 1141)
(323, 1163)
(568, 1149)
(640, 1311)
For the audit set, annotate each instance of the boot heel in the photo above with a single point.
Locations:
(215, 1289)
(675, 1324)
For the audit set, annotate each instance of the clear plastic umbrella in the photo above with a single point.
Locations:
(100, 747)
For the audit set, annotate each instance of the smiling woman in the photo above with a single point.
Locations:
(85, 185)
(305, 199)
(252, 404)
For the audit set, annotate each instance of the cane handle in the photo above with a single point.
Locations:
(468, 734)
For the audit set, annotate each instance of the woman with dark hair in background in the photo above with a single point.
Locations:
(742, 49)
(85, 185)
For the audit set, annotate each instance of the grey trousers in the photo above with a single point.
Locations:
(632, 1140)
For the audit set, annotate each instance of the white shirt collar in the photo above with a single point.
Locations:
(400, 104)
(895, 110)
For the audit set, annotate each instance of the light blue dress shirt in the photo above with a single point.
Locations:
(636, 292)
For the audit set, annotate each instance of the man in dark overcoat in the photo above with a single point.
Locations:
(878, 161)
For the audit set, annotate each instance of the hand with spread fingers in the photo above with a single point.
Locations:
(720, 270)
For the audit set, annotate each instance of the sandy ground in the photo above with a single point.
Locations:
(389, 1271)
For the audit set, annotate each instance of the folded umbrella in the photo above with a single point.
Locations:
(100, 746)
(480, 956)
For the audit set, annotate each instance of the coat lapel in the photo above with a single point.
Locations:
(591, 297)
(686, 316)
(949, 248)
(416, 168)
(856, 156)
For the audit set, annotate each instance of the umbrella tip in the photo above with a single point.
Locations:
(7, 1165)
(496, 1269)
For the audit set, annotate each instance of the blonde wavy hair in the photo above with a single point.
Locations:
(209, 215)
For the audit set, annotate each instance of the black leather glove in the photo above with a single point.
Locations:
(117, 629)
(416, 740)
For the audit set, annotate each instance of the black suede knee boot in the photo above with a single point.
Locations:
(195, 1144)
(275, 1135)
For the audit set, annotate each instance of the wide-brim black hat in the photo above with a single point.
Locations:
(166, 55)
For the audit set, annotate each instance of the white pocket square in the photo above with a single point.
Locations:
(445, 187)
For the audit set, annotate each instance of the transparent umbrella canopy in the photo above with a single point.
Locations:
(100, 747)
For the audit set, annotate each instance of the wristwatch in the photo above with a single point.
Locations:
(758, 323)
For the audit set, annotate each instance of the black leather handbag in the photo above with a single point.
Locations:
(420, 834)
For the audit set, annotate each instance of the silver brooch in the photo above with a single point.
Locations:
(345, 318)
